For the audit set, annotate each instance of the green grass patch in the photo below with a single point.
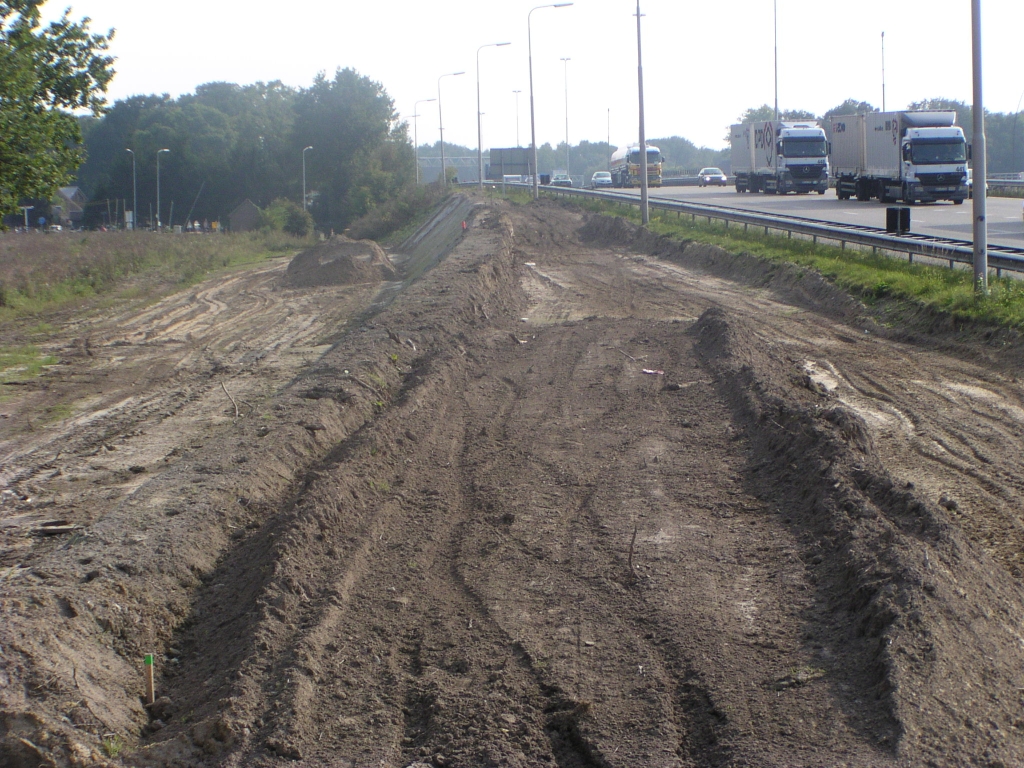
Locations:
(58, 412)
(869, 276)
(21, 363)
(113, 745)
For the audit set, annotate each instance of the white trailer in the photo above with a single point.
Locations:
(779, 157)
(910, 156)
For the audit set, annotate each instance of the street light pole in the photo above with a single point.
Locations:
(416, 136)
(440, 120)
(883, 70)
(517, 118)
(565, 62)
(645, 214)
(775, 8)
(135, 195)
(479, 119)
(158, 187)
(980, 161)
(533, 120)
(304, 176)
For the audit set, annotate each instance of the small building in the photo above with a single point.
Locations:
(245, 218)
(68, 206)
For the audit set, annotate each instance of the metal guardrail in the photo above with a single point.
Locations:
(953, 251)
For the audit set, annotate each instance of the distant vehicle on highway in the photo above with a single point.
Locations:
(913, 156)
(510, 178)
(600, 179)
(560, 179)
(711, 177)
(779, 157)
(626, 164)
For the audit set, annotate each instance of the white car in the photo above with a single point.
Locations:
(600, 179)
(709, 177)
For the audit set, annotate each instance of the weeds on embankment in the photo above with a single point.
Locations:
(869, 276)
(40, 272)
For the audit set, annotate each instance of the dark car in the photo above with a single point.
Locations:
(710, 177)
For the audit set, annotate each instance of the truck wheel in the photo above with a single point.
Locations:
(958, 202)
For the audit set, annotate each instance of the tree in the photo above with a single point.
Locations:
(45, 74)
(849, 107)
(362, 156)
(766, 112)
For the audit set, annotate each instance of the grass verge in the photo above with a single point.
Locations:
(46, 272)
(868, 276)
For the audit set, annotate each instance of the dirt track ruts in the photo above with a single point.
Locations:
(577, 496)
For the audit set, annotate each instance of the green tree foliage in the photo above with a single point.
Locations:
(849, 107)
(767, 112)
(229, 143)
(45, 73)
(361, 157)
(283, 215)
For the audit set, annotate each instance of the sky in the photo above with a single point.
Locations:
(704, 62)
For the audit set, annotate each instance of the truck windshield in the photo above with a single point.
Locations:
(809, 147)
(936, 151)
(653, 157)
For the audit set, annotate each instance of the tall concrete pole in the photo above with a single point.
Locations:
(645, 213)
(980, 161)
(416, 135)
(775, 7)
(565, 61)
(440, 122)
(533, 119)
(479, 114)
(883, 70)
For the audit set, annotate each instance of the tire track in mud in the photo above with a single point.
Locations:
(684, 713)
(245, 336)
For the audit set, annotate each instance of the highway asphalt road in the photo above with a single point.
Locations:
(1006, 223)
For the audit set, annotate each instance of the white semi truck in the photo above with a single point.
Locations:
(910, 156)
(779, 157)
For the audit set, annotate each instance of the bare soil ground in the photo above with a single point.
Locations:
(570, 495)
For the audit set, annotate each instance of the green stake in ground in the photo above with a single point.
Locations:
(150, 691)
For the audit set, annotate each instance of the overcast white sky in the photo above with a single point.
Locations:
(704, 61)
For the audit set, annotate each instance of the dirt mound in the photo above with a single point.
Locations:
(340, 261)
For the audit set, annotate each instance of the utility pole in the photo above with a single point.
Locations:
(645, 214)
(775, 6)
(980, 161)
(883, 70)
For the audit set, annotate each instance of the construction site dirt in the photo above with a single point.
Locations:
(539, 488)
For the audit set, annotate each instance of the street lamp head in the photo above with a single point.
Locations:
(162, 150)
(501, 44)
(561, 5)
(458, 73)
